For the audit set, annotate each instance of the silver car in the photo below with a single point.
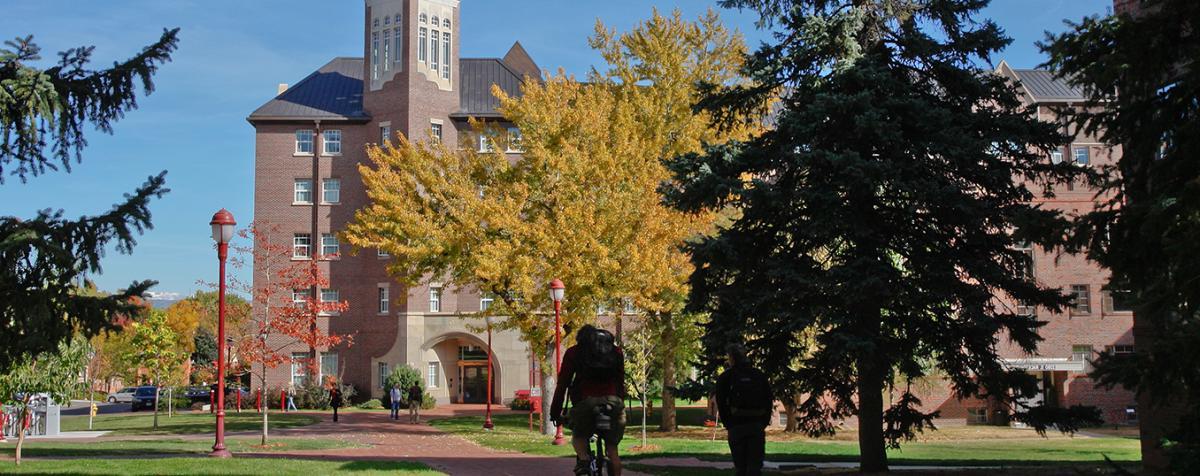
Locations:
(124, 395)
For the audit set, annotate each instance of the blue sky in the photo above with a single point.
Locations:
(233, 54)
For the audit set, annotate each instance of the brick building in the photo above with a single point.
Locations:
(309, 141)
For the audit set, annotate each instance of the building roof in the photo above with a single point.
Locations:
(332, 92)
(1041, 85)
(475, 90)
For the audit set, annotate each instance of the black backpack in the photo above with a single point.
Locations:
(748, 391)
(599, 357)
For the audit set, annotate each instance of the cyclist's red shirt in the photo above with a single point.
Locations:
(580, 388)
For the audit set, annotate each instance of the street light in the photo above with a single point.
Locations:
(222, 231)
(487, 422)
(557, 290)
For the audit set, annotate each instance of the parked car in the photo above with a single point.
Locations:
(143, 397)
(197, 393)
(124, 395)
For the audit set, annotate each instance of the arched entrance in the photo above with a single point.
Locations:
(461, 359)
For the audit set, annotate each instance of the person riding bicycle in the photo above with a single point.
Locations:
(593, 370)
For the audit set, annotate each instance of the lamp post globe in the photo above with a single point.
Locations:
(487, 422)
(222, 232)
(557, 293)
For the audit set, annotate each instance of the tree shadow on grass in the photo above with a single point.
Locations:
(382, 466)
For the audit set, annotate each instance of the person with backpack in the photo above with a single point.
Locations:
(415, 396)
(395, 395)
(744, 404)
(335, 400)
(593, 372)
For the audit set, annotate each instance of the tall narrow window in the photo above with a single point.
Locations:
(399, 49)
(329, 245)
(375, 55)
(431, 376)
(1080, 299)
(332, 139)
(301, 245)
(387, 49)
(302, 191)
(514, 140)
(1056, 157)
(299, 375)
(433, 51)
(435, 132)
(329, 364)
(331, 190)
(383, 300)
(435, 299)
(421, 44)
(485, 143)
(383, 374)
(385, 133)
(446, 55)
(304, 141)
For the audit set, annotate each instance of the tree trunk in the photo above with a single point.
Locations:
(667, 342)
(873, 456)
(643, 418)
(549, 380)
(789, 408)
(21, 428)
(155, 402)
(264, 407)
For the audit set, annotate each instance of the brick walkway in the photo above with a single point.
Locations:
(392, 440)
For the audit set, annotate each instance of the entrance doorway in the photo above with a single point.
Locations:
(473, 377)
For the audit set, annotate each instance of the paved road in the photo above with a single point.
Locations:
(80, 407)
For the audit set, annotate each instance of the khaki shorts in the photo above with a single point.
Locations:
(583, 418)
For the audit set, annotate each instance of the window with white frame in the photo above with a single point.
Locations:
(435, 299)
(445, 55)
(329, 245)
(385, 133)
(1081, 299)
(422, 41)
(387, 20)
(399, 39)
(329, 295)
(302, 191)
(304, 141)
(434, 54)
(299, 375)
(375, 55)
(383, 374)
(1122, 349)
(381, 253)
(299, 297)
(1056, 157)
(435, 132)
(331, 190)
(629, 308)
(1081, 353)
(384, 300)
(329, 364)
(514, 140)
(1081, 155)
(446, 23)
(387, 49)
(332, 140)
(485, 144)
(301, 245)
(485, 301)
(431, 375)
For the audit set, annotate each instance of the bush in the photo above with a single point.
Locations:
(311, 396)
(403, 376)
(372, 404)
(520, 404)
(180, 403)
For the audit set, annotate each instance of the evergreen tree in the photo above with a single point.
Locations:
(1139, 75)
(42, 116)
(876, 226)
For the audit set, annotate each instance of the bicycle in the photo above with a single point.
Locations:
(598, 462)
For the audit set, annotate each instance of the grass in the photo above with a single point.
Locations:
(511, 434)
(184, 423)
(187, 466)
(110, 448)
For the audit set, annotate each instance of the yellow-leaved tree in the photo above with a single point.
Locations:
(581, 205)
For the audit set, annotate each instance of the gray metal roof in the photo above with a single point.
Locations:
(1044, 87)
(333, 92)
(476, 80)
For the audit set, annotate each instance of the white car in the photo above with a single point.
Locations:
(124, 395)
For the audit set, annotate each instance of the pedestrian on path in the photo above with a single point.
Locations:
(291, 398)
(414, 402)
(744, 403)
(395, 394)
(335, 400)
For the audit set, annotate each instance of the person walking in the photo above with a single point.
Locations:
(395, 394)
(291, 398)
(744, 403)
(414, 402)
(335, 400)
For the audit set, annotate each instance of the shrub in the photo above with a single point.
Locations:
(180, 403)
(403, 376)
(371, 404)
(312, 397)
(428, 402)
(520, 404)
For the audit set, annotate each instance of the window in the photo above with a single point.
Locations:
(302, 191)
(1131, 415)
(301, 245)
(1122, 349)
(485, 302)
(1026, 270)
(329, 295)
(381, 253)
(299, 297)
(435, 132)
(1080, 299)
(629, 307)
(399, 42)
(329, 364)
(375, 23)
(1117, 301)
(1081, 352)
(384, 301)
(298, 373)
(445, 55)
(514, 140)
(446, 22)
(304, 141)
(977, 415)
(435, 299)
(329, 245)
(375, 55)
(424, 18)
(331, 190)
(383, 374)
(397, 19)
(1056, 157)
(1081, 155)
(333, 141)
(485, 143)
(386, 21)
(421, 44)
(431, 376)
(435, 20)
(387, 50)
(433, 50)
(385, 133)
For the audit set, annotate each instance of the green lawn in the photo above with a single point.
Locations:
(109, 448)
(187, 466)
(184, 423)
(511, 434)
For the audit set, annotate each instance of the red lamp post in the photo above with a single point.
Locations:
(222, 231)
(557, 290)
(487, 422)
